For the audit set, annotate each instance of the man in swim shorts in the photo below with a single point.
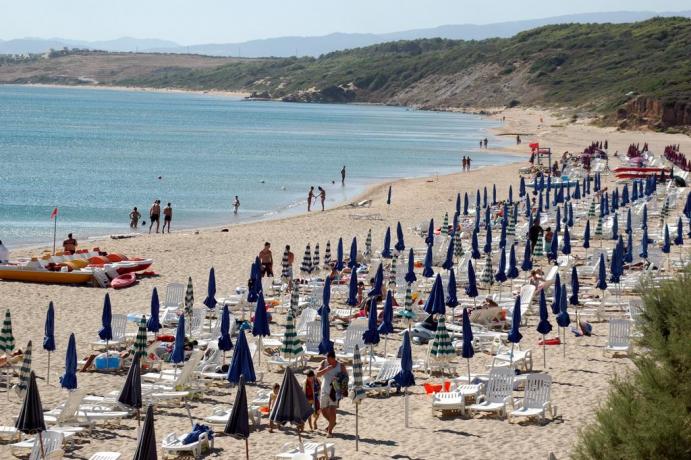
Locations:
(267, 260)
(167, 217)
(155, 214)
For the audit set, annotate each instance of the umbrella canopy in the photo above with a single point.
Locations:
(679, 237)
(386, 251)
(131, 393)
(629, 227)
(527, 263)
(488, 241)
(471, 288)
(451, 288)
(569, 219)
(405, 377)
(494, 194)
(644, 219)
(666, 244)
(371, 335)
(488, 217)
(484, 197)
(378, 282)
(515, 335)
(106, 331)
(400, 244)
(442, 349)
(25, 370)
(388, 196)
(553, 247)
(521, 187)
(210, 300)
(563, 319)
(543, 327)
(435, 300)
(615, 227)
(486, 277)
(242, 364)
(386, 326)
(429, 239)
(255, 284)
(500, 275)
(557, 221)
(352, 262)
(625, 195)
(358, 393)
(339, 255)
(154, 324)
(146, 447)
(586, 235)
(315, 258)
(238, 424)
(327, 255)
(448, 262)
(30, 419)
(465, 204)
(260, 326)
(644, 244)
(687, 206)
(295, 298)
(557, 294)
(512, 271)
(467, 349)
(510, 193)
(410, 274)
(352, 290)
(291, 404)
(326, 345)
(285, 265)
(224, 342)
(566, 244)
(458, 245)
(458, 202)
(189, 296)
(49, 330)
(575, 286)
(477, 198)
(502, 233)
(368, 243)
(628, 256)
(68, 380)
(444, 230)
(428, 271)
(602, 274)
(306, 265)
(140, 343)
(291, 344)
(178, 354)
(474, 246)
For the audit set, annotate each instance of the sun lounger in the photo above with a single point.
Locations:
(106, 456)
(74, 412)
(455, 400)
(498, 396)
(536, 402)
(383, 382)
(49, 449)
(618, 337)
(521, 358)
(310, 450)
(221, 414)
(119, 326)
(172, 444)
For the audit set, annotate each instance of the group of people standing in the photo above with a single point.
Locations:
(312, 197)
(466, 163)
(154, 217)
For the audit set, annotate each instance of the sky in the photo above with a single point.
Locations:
(220, 21)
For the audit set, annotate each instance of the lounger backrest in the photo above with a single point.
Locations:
(71, 407)
(527, 295)
(314, 336)
(552, 274)
(119, 326)
(174, 295)
(537, 391)
(197, 321)
(619, 332)
(307, 316)
(500, 384)
(186, 372)
(635, 309)
(50, 442)
(353, 336)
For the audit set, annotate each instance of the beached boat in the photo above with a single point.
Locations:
(37, 274)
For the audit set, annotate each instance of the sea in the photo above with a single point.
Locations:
(95, 154)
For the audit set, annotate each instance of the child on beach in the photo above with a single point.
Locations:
(134, 218)
(312, 388)
(272, 400)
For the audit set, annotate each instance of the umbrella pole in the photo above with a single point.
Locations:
(386, 338)
(371, 352)
(189, 413)
(261, 350)
(468, 361)
(40, 440)
(511, 356)
(357, 435)
(564, 343)
(247, 449)
(544, 353)
(405, 403)
(107, 356)
(48, 372)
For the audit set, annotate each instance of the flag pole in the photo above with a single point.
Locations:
(55, 231)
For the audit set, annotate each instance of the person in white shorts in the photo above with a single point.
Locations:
(328, 371)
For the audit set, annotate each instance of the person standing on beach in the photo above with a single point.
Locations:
(167, 217)
(468, 162)
(289, 270)
(70, 244)
(485, 141)
(343, 173)
(310, 198)
(480, 143)
(322, 196)
(329, 371)
(236, 204)
(155, 214)
(266, 259)
(534, 233)
(134, 218)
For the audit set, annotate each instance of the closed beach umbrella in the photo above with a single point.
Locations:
(615, 227)
(339, 255)
(644, 244)
(255, 284)
(25, 370)
(563, 319)
(477, 198)
(285, 266)
(400, 244)
(547, 192)
(429, 239)
(615, 271)
(644, 219)
(435, 302)
(405, 377)
(510, 193)
(131, 392)
(242, 361)
(557, 221)
(476, 225)
(458, 203)
(634, 193)
(458, 245)
(260, 325)
(442, 349)
(521, 187)
(679, 237)
(238, 425)
(154, 324)
(408, 312)
(586, 236)
(352, 262)
(471, 288)
(602, 274)
(210, 300)
(494, 194)
(528, 206)
(410, 274)
(487, 277)
(224, 342)
(146, 446)
(577, 191)
(515, 335)
(484, 197)
(544, 327)
(315, 258)
(291, 404)
(474, 246)
(106, 331)
(687, 206)
(393, 270)
(358, 392)
(488, 241)
(295, 298)
(512, 271)
(566, 244)
(388, 197)
(628, 256)
(465, 204)
(444, 230)
(629, 228)
(140, 342)
(327, 255)
(326, 345)
(500, 275)
(371, 335)
(49, 336)
(352, 290)
(448, 262)
(569, 219)
(306, 266)
(553, 247)
(30, 419)
(378, 282)
(178, 354)
(386, 327)
(467, 351)
(386, 251)
(502, 233)
(427, 270)
(625, 195)
(189, 299)
(527, 263)
(666, 246)
(557, 294)
(575, 286)
(488, 217)
(451, 288)
(68, 380)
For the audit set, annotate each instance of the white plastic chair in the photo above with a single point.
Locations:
(536, 402)
(619, 337)
(499, 390)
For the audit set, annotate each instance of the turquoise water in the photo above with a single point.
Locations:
(95, 154)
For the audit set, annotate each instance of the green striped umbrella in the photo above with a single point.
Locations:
(285, 272)
(408, 312)
(295, 298)
(664, 212)
(6, 337)
(327, 256)
(358, 393)
(442, 349)
(458, 245)
(511, 227)
(368, 243)
(25, 371)
(598, 227)
(392, 271)
(591, 210)
(315, 258)
(487, 277)
(445, 224)
(306, 266)
(189, 302)
(140, 343)
(539, 249)
(291, 344)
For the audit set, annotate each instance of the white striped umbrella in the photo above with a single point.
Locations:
(285, 272)
(358, 392)
(539, 249)
(189, 302)
(295, 298)
(306, 266)
(315, 258)
(458, 246)
(392, 271)
(6, 337)
(591, 209)
(327, 255)
(139, 346)
(368, 243)
(291, 344)
(486, 277)
(25, 371)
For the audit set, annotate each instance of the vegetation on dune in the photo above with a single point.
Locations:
(647, 415)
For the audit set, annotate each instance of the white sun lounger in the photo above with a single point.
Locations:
(118, 326)
(536, 402)
(499, 390)
(618, 337)
(106, 456)
(311, 450)
(172, 444)
(455, 399)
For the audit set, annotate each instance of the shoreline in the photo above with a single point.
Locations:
(138, 89)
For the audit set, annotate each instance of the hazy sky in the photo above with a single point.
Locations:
(204, 21)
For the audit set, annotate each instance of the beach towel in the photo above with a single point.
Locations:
(198, 429)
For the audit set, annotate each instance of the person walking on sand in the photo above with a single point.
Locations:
(266, 259)
(343, 173)
(155, 214)
(464, 163)
(167, 217)
(485, 141)
(322, 196)
(480, 143)
(134, 218)
(312, 390)
(70, 244)
(330, 371)
(236, 204)
(289, 269)
(310, 198)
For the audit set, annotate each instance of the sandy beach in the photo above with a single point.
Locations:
(580, 380)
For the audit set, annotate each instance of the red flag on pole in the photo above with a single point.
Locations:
(54, 214)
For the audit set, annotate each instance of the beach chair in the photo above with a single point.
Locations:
(618, 337)
(307, 316)
(173, 444)
(522, 359)
(498, 396)
(550, 277)
(312, 338)
(51, 448)
(352, 337)
(175, 293)
(536, 401)
(383, 382)
(221, 414)
(119, 326)
(106, 456)
(307, 450)
(455, 400)
(170, 382)
(73, 412)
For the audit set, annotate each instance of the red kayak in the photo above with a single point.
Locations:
(124, 281)
(634, 169)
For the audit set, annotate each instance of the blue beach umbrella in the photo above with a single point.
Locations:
(210, 300)
(515, 335)
(386, 327)
(500, 275)
(575, 287)
(510, 193)
(553, 247)
(477, 198)
(106, 331)
(615, 263)
(615, 227)
(502, 233)
(476, 225)
(679, 238)
(512, 271)
(253, 290)
(629, 228)
(644, 244)
(541, 186)
(371, 335)
(386, 251)
(429, 239)
(410, 275)
(528, 207)
(628, 257)
(458, 203)
(543, 327)
(687, 206)
(448, 262)
(666, 246)
(625, 195)
(602, 274)
(49, 330)
(68, 380)
(547, 192)
(521, 187)
(465, 204)
(153, 324)
(241, 364)
(435, 301)
(577, 191)
(224, 342)
(388, 197)
(326, 345)
(557, 227)
(260, 325)
(405, 377)
(540, 202)
(494, 194)
(563, 319)
(339, 255)
(586, 235)
(484, 197)
(471, 288)
(557, 294)
(427, 271)
(634, 192)
(474, 246)
(569, 220)
(566, 245)
(644, 219)
(352, 263)
(527, 263)
(352, 290)
(178, 354)
(488, 217)
(400, 244)
(451, 288)
(488, 241)
(378, 282)
(467, 350)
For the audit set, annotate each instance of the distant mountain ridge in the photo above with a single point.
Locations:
(315, 46)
